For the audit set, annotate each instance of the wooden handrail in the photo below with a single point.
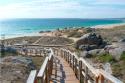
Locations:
(100, 76)
(82, 69)
(109, 77)
(45, 71)
(32, 76)
(43, 67)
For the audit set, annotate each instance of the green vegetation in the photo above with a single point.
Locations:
(104, 58)
(75, 34)
(7, 53)
(38, 61)
(118, 69)
(123, 56)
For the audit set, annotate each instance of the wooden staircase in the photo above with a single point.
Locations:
(63, 66)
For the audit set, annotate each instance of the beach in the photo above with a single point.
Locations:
(108, 26)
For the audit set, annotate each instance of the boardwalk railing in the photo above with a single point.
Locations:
(32, 76)
(82, 69)
(43, 76)
(46, 69)
(85, 72)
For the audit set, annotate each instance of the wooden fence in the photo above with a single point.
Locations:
(43, 75)
(82, 69)
(85, 72)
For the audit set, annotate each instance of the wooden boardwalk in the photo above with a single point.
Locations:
(63, 66)
(62, 72)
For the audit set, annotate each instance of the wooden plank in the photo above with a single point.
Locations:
(65, 73)
(32, 76)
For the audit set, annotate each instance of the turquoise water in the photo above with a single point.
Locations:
(24, 26)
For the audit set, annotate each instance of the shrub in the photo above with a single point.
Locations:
(75, 34)
(105, 58)
(123, 56)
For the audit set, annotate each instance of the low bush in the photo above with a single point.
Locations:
(104, 58)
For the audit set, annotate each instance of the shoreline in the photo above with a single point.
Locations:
(23, 35)
(106, 26)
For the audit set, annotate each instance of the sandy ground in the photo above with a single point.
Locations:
(108, 26)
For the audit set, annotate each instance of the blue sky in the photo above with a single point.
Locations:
(62, 8)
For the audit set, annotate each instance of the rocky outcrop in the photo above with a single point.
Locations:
(90, 41)
(95, 52)
(122, 40)
(15, 69)
(116, 50)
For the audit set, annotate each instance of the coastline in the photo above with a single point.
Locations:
(108, 26)
(22, 35)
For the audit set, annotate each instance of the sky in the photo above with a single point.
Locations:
(62, 9)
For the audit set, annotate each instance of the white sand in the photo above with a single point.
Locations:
(108, 26)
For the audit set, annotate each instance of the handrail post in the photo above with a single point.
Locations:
(80, 71)
(101, 78)
(73, 63)
(86, 75)
(36, 52)
(76, 71)
(62, 53)
(46, 72)
(70, 60)
(51, 65)
(96, 80)
(68, 57)
(65, 55)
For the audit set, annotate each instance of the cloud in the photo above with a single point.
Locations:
(63, 8)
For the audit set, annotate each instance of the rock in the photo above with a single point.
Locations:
(41, 32)
(116, 50)
(93, 41)
(84, 54)
(102, 52)
(97, 52)
(87, 47)
(94, 52)
(122, 40)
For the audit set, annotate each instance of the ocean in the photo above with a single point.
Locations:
(13, 27)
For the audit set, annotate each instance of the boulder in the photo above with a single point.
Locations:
(91, 40)
(88, 47)
(84, 54)
(122, 40)
(94, 52)
(102, 52)
(41, 32)
(97, 52)
(116, 50)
